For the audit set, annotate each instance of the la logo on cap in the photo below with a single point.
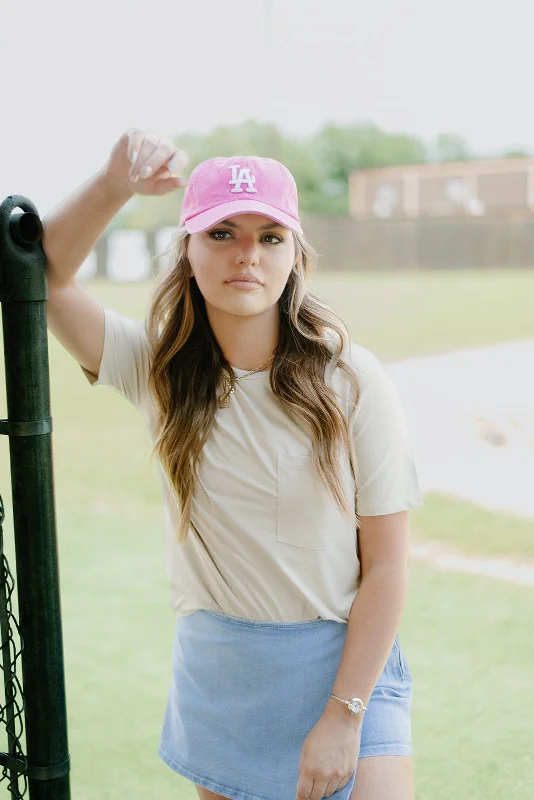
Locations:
(244, 176)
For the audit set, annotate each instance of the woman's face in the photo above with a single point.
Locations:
(241, 265)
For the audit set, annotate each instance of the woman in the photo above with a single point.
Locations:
(287, 481)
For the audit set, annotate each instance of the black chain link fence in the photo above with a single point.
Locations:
(12, 763)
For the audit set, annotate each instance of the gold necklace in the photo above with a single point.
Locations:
(228, 388)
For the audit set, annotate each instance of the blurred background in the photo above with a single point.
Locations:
(409, 132)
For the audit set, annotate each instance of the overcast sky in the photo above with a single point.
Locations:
(76, 75)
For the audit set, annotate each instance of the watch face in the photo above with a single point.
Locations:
(355, 705)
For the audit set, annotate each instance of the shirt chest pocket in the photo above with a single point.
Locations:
(307, 516)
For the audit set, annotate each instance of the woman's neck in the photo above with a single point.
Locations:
(245, 341)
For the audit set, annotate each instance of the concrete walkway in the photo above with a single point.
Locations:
(470, 418)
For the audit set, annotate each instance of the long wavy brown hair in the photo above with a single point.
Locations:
(188, 366)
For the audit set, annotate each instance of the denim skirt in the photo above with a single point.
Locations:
(245, 694)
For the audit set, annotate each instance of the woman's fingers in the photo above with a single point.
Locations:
(168, 184)
(178, 161)
(155, 154)
(342, 784)
(145, 162)
(135, 139)
(143, 166)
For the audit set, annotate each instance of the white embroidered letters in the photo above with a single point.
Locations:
(244, 176)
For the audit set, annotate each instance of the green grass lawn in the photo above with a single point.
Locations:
(470, 651)
(472, 707)
(473, 530)
(467, 638)
(397, 315)
(420, 313)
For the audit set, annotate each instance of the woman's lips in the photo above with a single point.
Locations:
(246, 285)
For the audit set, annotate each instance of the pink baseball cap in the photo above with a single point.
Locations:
(223, 187)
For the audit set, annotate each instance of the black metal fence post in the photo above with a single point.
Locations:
(23, 294)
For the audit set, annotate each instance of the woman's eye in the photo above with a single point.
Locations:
(219, 235)
(222, 235)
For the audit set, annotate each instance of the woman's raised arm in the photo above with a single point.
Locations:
(73, 227)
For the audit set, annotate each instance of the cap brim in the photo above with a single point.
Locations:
(211, 217)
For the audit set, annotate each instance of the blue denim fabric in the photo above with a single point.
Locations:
(245, 694)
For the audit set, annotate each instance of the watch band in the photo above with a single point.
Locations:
(355, 705)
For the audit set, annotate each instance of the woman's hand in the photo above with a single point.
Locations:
(144, 162)
(328, 758)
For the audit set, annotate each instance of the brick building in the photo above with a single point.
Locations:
(498, 188)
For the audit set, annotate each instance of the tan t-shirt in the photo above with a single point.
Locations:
(266, 542)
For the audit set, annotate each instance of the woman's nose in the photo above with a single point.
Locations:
(248, 254)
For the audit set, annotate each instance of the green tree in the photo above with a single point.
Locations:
(340, 150)
(248, 138)
(321, 164)
(517, 153)
(450, 147)
(364, 146)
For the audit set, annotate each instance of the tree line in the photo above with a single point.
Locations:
(321, 163)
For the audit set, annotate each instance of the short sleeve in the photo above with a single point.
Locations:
(387, 479)
(125, 361)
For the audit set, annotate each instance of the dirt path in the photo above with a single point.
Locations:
(447, 559)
